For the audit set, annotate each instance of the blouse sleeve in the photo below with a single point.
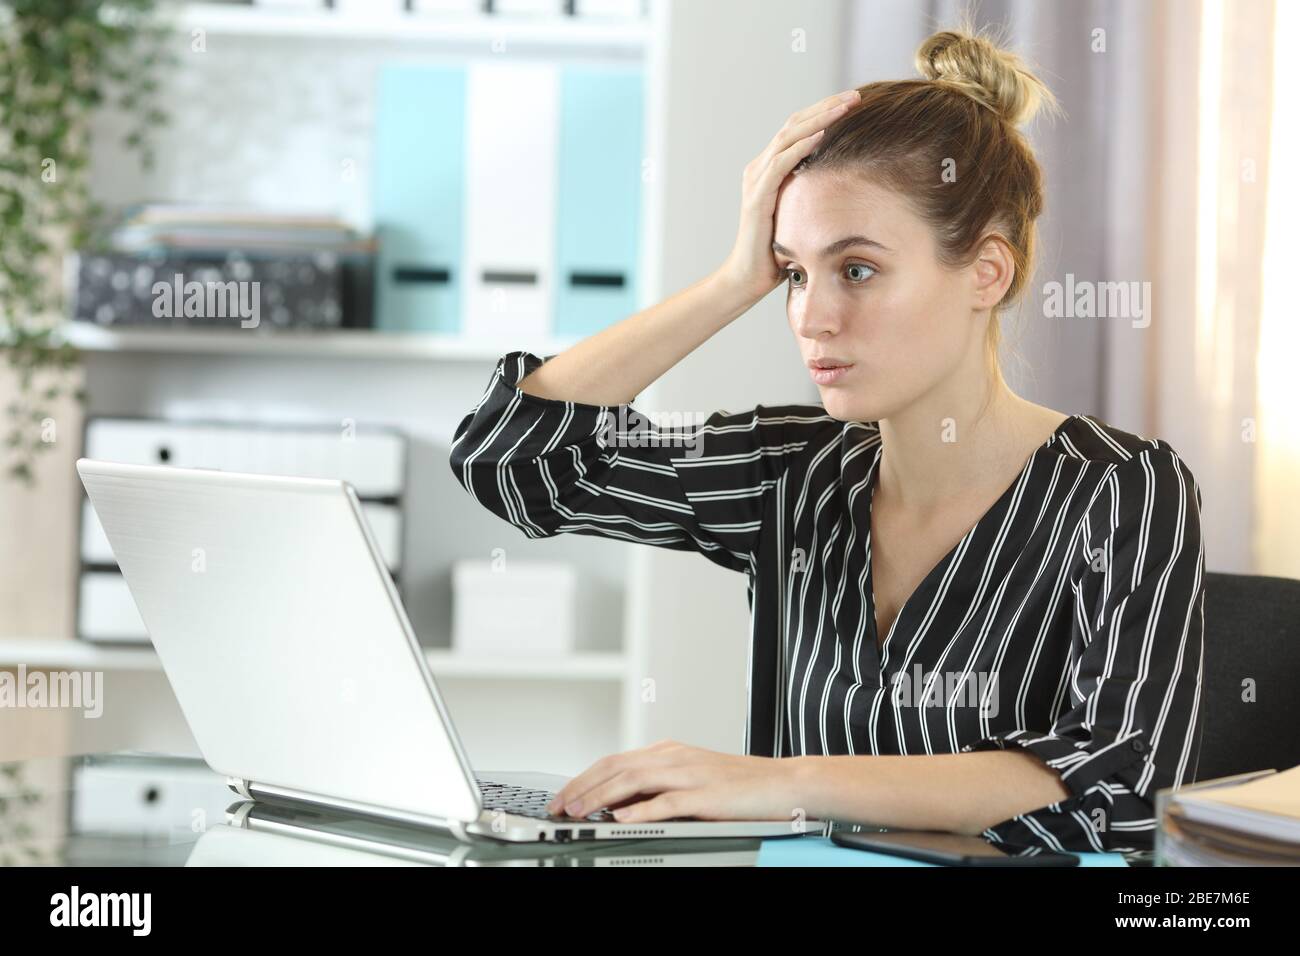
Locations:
(1130, 722)
(549, 466)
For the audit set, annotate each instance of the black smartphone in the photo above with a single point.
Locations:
(949, 849)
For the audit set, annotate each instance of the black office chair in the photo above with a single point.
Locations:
(1252, 631)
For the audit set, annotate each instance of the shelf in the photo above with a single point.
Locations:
(614, 36)
(75, 655)
(586, 665)
(445, 664)
(340, 343)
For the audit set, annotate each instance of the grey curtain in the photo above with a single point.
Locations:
(1124, 205)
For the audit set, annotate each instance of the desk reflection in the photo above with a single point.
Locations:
(261, 834)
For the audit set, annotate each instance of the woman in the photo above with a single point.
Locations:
(969, 612)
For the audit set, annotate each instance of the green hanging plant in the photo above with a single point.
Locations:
(60, 60)
(20, 843)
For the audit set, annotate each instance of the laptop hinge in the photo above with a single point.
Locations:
(258, 791)
(457, 828)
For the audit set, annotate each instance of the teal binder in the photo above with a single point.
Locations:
(419, 197)
(598, 206)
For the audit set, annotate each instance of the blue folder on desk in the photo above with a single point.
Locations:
(820, 851)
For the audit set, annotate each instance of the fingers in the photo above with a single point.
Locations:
(808, 121)
(665, 806)
(785, 161)
(631, 783)
(806, 134)
(771, 177)
(821, 106)
(598, 772)
(812, 124)
(606, 768)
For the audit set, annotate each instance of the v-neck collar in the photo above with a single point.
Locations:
(880, 650)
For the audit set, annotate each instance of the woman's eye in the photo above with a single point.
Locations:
(856, 272)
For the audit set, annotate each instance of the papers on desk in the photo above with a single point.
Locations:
(1251, 820)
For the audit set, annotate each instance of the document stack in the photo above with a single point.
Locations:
(163, 265)
(1245, 820)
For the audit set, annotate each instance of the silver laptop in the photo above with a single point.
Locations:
(289, 651)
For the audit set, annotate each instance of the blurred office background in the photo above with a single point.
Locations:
(448, 181)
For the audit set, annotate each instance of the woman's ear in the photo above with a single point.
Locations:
(993, 271)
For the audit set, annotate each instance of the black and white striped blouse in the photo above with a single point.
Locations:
(1067, 621)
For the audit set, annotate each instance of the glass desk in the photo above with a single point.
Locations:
(135, 809)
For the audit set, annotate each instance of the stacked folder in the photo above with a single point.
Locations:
(507, 197)
(1246, 820)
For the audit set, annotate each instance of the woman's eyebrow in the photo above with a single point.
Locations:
(836, 247)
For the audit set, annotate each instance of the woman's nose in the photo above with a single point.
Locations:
(813, 315)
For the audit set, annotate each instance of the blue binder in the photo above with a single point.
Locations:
(599, 197)
(419, 197)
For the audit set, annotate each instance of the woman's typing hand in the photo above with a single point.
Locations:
(669, 780)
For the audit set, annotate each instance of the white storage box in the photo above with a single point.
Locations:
(145, 796)
(526, 608)
(373, 461)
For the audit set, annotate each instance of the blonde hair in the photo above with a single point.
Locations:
(990, 75)
(966, 111)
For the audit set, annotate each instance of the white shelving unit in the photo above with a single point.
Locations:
(422, 382)
(75, 655)
(667, 652)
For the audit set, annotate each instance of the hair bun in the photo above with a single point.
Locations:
(978, 67)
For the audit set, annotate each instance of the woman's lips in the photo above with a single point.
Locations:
(829, 376)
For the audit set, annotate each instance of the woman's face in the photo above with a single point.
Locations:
(904, 321)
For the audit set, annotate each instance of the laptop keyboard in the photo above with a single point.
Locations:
(527, 802)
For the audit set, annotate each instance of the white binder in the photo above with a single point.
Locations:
(510, 169)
